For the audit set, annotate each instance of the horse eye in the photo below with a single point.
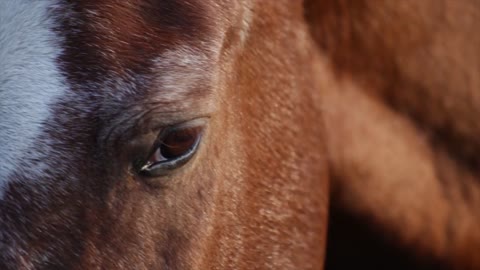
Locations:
(174, 147)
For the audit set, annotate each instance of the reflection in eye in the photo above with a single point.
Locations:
(173, 148)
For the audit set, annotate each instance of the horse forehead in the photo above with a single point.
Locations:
(30, 81)
(123, 36)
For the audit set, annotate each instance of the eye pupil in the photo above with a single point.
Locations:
(178, 142)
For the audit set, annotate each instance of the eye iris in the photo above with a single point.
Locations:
(178, 142)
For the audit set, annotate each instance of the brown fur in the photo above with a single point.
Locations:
(382, 94)
(255, 196)
(400, 84)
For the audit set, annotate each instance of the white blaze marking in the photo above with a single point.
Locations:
(29, 79)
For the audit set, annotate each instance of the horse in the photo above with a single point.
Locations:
(187, 134)
(148, 134)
